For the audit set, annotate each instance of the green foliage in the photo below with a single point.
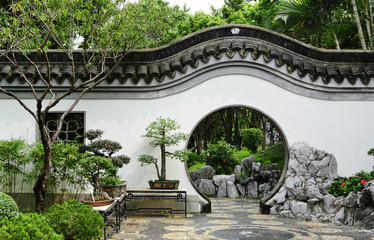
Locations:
(111, 180)
(104, 24)
(100, 166)
(243, 153)
(194, 159)
(94, 167)
(163, 133)
(75, 221)
(65, 173)
(272, 154)
(13, 161)
(342, 186)
(145, 159)
(31, 226)
(196, 166)
(220, 156)
(8, 207)
(244, 175)
(371, 152)
(252, 138)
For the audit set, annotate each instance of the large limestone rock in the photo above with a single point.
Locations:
(350, 201)
(328, 204)
(232, 192)
(222, 189)
(299, 208)
(247, 163)
(206, 187)
(241, 190)
(309, 175)
(345, 216)
(219, 179)
(367, 222)
(367, 196)
(206, 172)
(256, 170)
(264, 189)
(252, 190)
(237, 171)
(362, 213)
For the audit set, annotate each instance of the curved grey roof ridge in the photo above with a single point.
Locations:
(212, 52)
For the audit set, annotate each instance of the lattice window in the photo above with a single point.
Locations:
(72, 127)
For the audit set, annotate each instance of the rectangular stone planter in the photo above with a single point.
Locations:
(168, 184)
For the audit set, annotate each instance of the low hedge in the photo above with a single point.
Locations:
(342, 186)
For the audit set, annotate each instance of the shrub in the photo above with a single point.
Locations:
(193, 159)
(27, 226)
(342, 186)
(244, 175)
(75, 221)
(252, 138)
(13, 161)
(272, 154)
(8, 207)
(65, 158)
(220, 156)
(243, 153)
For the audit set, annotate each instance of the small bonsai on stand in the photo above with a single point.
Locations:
(162, 132)
(100, 166)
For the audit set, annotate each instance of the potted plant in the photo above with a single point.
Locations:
(163, 134)
(100, 167)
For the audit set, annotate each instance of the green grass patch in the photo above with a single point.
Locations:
(196, 166)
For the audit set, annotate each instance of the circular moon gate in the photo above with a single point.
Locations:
(283, 139)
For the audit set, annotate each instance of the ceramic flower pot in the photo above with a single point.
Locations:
(114, 190)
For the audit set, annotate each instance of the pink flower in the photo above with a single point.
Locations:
(343, 184)
(363, 182)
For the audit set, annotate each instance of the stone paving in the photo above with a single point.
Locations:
(232, 219)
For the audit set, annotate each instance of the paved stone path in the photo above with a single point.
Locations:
(232, 219)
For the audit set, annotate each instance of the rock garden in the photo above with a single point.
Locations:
(313, 191)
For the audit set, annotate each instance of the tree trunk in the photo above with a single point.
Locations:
(97, 187)
(41, 184)
(163, 163)
(263, 145)
(337, 45)
(227, 117)
(358, 24)
(369, 22)
(237, 139)
(199, 141)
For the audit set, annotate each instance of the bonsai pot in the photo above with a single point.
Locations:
(166, 184)
(114, 190)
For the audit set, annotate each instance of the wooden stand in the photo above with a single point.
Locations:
(117, 210)
(180, 195)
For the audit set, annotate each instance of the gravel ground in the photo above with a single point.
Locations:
(232, 219)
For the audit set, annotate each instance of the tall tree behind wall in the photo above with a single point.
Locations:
(110, 30)
(226, 124)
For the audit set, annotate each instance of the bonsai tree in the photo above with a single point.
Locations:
(100, 166)
(162, 132)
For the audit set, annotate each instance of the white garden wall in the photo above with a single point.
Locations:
(343, 128)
